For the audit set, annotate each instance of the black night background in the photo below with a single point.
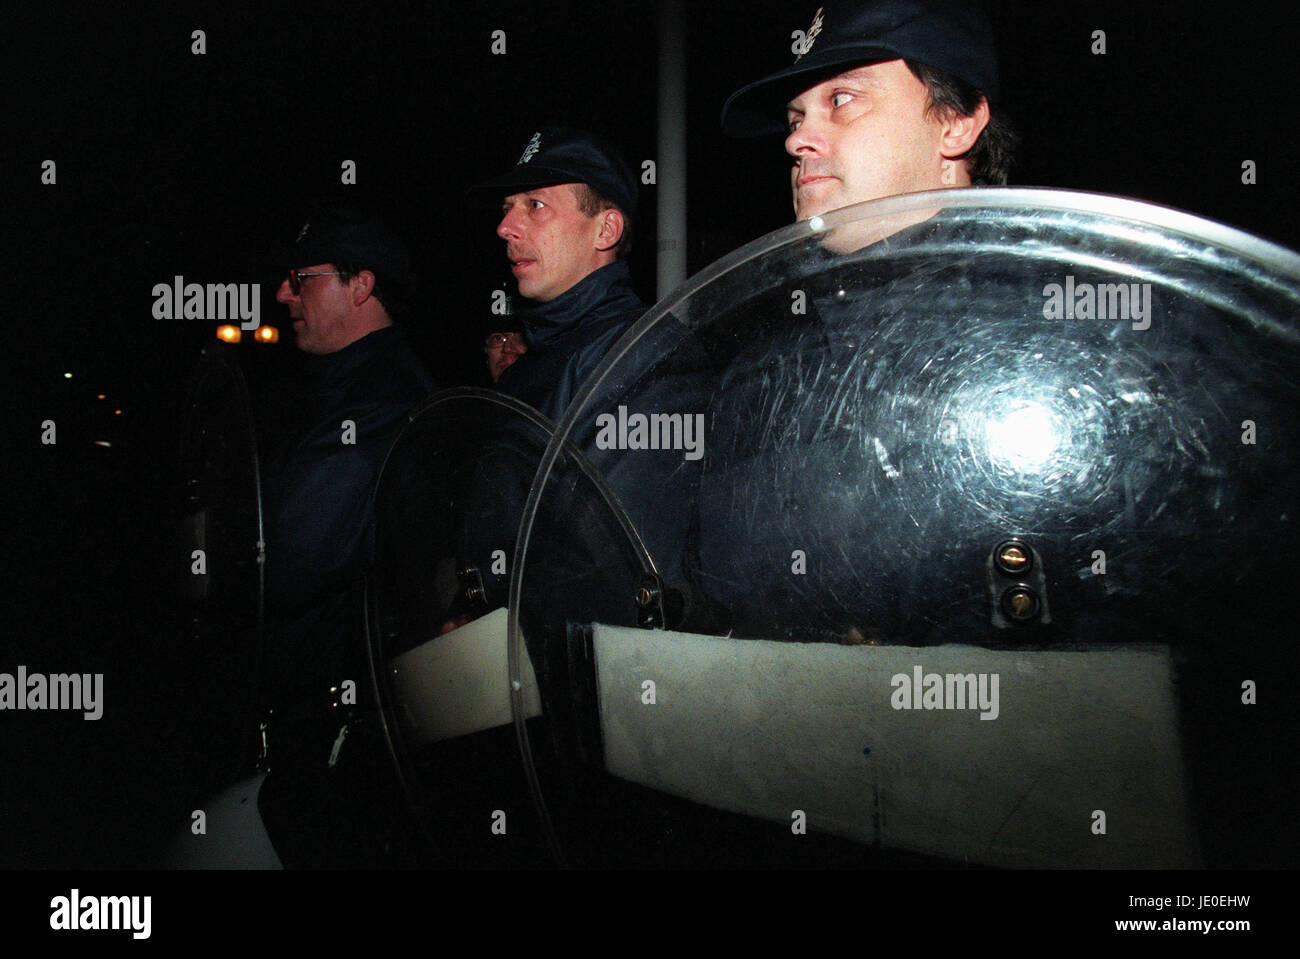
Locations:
(170, 163)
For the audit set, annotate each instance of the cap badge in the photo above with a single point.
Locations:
(530, 151)
(813, 31)
(302, 232)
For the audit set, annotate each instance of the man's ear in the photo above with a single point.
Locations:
(363, 284)
(612, 224)
(960, 133)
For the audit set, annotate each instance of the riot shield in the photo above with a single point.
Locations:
(974, 519)
(221, 559)
(448, 502)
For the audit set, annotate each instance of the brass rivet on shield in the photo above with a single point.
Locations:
(1012, 557)
(1020, 603)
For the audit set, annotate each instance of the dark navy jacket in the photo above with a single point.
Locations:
(569, 336)
(318, 500)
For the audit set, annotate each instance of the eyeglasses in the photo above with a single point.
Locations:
(296, 278)
(499, 340)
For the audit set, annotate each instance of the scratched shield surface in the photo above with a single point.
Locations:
(972, 527)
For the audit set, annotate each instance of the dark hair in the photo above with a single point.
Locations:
(991, 157)
(591, 202)
(392, 296)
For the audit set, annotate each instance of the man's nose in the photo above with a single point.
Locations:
(284, 294)
(512, 346)
(508, 228)
(806, 139)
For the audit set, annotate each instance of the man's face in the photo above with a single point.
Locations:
(320, 310)
(502, 350)
(860, 136)
(551, 244)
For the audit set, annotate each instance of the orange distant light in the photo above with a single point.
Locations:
(267, 334)
(117, 412)
(228, 333)
(101, 396)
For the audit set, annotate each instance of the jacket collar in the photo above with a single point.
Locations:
(357, 353)
(604, 293)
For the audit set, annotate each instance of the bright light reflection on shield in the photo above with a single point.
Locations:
(972, 514)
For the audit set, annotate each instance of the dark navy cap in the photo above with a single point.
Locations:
(353, 235)
(510, 323)
(952, 35)
(563, 155)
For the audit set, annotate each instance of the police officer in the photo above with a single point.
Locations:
(349, 275)
(567, 210)
(503, 344)
(885, 97)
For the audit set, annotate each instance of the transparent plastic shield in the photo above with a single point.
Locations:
(973, 510)
(221, 558)
(447, 508)
(222, 500)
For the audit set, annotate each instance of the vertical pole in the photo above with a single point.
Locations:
(670, 165)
